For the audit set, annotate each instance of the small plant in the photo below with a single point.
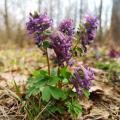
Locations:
(57, 90)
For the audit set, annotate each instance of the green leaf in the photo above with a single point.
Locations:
(74, 108)
(46, 94)
(39, 73)
(35, 85)
(53, 80)
(36, 73)
(49, 91)
(65, 73)
(32, 91)
(57, 93)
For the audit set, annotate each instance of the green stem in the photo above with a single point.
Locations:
(58, 72)
(48, 63)
(60, 82)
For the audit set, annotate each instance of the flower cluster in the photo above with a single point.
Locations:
(37, 25)
(66, 27)
(88, 31)
(82, 79)
(62, 42)
(61, 45)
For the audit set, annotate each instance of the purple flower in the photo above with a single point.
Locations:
(66, 27)
(61, 45)
(88, 31)
(91, 21)
(113, 53)
(82, 78)
(37, 25)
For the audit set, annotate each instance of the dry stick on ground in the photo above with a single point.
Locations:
(13, 95)
(10, 92)
(3, 112)
(37, 117)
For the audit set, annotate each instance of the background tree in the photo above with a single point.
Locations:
(6, 19)
(58, 10)
(51, 8)
(39, 5)
(100, 20)
(115, 22)
(76, 11)
(81, 9)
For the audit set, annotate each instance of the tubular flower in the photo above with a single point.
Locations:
(66, 27)
(37, 25)
(88, 31)
(61, 45)
(81, 79)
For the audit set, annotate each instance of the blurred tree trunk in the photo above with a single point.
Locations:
(69, 10)
(115, 22)
(81, 9)
(75, 13)
(39, 5)
(51, 8)
(100, 19)
(6, 19)
(58, 11)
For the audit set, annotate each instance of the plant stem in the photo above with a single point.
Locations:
(58, 72)
(48, 63)
(60, 82)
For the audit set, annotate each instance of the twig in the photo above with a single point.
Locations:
(37, 117)
(113, 113)
(3, 112)
(11, 92)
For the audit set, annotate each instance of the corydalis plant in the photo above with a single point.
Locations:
(55, 84)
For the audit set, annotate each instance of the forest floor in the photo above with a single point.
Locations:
(17, 64)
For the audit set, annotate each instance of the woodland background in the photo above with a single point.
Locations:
(14, 14)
